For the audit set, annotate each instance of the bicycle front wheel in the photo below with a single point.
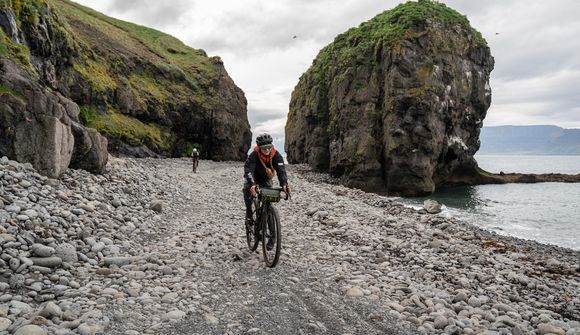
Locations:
(271, 237)
(252, 231)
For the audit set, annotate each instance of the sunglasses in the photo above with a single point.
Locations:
(265, 147)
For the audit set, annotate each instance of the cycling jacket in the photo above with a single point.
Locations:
(255, 173)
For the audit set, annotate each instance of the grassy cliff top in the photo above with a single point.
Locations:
(132, 40)
(144, 42)
(123, 64)
(104, 39)
(389, 28)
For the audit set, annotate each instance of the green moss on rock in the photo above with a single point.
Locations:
(87, 115)
(5, 89)
(132, 130)
(385, 30)
(170, 72)
(97, 75)
(18, 52)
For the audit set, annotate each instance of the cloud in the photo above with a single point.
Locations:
(152, 13)
(258, 116)
(548, 99)
(535, 48)
(274, 127)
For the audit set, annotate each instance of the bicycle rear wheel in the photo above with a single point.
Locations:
(271, 237)
(252, 231)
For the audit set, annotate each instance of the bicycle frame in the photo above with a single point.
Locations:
(267, 224)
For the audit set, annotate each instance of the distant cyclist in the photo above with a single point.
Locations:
(194, 158)
(261, 165)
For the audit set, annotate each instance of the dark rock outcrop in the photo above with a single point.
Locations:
(70, 74)
(396, 104)
(150, 94)
(480, 177)
(42, 127)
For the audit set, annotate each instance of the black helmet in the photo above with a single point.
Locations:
(264, 139)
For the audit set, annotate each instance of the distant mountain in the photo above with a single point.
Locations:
(536, 140)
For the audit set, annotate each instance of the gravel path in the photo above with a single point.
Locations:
(157, 249)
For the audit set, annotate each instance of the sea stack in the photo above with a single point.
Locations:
(396, 104)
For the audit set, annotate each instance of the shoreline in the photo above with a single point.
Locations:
(157, 249)
(325, 178)
(494, 179)
(468, 216)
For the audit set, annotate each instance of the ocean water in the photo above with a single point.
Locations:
(545, 212)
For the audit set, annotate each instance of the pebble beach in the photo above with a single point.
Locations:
(151, 248)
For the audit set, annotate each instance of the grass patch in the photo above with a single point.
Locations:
(97, 75)
(148, 86)
(133, 131)
(27, 10)
(5, 89)
(3, 46)
(483, 172)
(170, 71)
(87, 115)
(150, 44)
(17, 52)
(385, 30)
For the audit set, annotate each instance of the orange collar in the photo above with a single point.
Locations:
(264, 158)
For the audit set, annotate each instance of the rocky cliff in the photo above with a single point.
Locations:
(145, 91)
(395, 104)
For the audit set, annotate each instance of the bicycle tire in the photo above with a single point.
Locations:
(271, 228)
(252, 238)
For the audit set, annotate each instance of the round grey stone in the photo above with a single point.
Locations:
(355, 292)
(30, 330)
(66, 252)
(41, 250)
(49, 262)
(156, 205)
(25, 183)
(4, 324)
(546, 328)
(440, 322)
(16, 281)
(432, 206)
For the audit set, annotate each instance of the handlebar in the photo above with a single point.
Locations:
(281, 189)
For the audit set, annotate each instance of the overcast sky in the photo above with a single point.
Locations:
(535, 43)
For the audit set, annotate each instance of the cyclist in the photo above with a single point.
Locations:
(194, 158)
(261, 165)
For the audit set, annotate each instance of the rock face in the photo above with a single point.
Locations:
(69, 75)
(42, 127)
(396, 104)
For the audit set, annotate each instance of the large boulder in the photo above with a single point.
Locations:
(396, 104)
(90, 151)
(36, 126)
(45, 142)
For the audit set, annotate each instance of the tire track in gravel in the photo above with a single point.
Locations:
(222, 288)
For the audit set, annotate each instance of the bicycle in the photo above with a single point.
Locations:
(265, 224)
(195, 164)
